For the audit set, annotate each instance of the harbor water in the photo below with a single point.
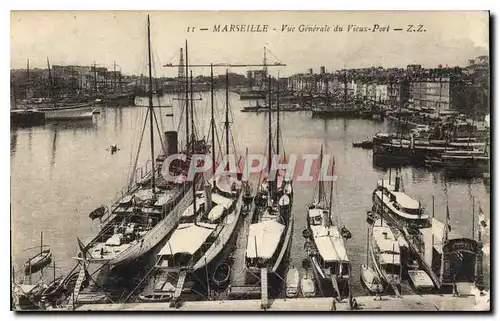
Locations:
(60, 172)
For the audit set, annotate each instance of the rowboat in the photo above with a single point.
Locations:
(307, 287)
(292, 282)
(38, 261)
(160, 297)
(222, 274)
(370, 279)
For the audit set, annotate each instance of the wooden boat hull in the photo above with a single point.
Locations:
(74, 113)
(292, 283)
(164, 297)
(370, 280)
(154, 236)
(307, 286)
(223, 239)
(26, 117)
(38, 262)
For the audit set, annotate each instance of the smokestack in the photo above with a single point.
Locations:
(396, 185)
(208, 197)
(326, 218)
(171, 143)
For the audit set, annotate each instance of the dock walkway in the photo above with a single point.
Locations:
(366, 303)
(238, 268)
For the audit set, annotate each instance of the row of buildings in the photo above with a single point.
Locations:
(439, 90)
(59, 81)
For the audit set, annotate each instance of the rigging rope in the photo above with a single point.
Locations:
(132, 176)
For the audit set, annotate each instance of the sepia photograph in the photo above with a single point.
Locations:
(250, 161)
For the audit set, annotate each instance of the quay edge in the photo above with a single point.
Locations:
(430, 302)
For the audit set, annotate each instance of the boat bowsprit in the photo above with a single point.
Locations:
(38, 261)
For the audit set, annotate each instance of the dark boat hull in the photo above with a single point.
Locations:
(27, 118)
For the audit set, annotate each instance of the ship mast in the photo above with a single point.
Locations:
(212, 121)
(187, 97)
(270, 138)
(278, 116)
(151, 111)
(226, 123)
(320, 180)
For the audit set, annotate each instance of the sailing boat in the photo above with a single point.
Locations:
(150, 207)
(208, 223)
(38, 261)
(325, 245)
(24, 115)
(66, 110)
(369, 277)
(385, 253)
(270, 233)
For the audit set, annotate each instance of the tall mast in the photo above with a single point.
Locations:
(28, 77)
(192, 136)
(265, 63)
(114, 75)
(187, 97)
(95, 73)
(320, 181)
(330, 206)
(278, 117)
(270, 136)
(151, 111)
(212, 121)
(192, 108)
(50, 79)
(345, 88)
(226, 123)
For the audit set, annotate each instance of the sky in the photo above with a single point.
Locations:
(82, 37)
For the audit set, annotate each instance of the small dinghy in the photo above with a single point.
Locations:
(371, 280)
(54, 289)
(159, 297)
(97, 213)
(38, 261)
(307, 286)
(345, 233)
(292, 282)
(221, 274)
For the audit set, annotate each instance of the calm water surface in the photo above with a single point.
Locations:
(61, 172)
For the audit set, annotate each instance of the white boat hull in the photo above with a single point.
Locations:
(153, 237)
(76, 113)
(223, 238)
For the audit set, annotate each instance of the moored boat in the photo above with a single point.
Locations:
(157, 297)
(386, 256)
(38, 261)
(325, 244)
(151, 206)
(292, 282)
(371, 279)
(307, 287)
(270, 233)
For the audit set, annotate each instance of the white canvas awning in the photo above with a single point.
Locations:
(329, 243)
(221, 200)
(263, 239)
(187, 238)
